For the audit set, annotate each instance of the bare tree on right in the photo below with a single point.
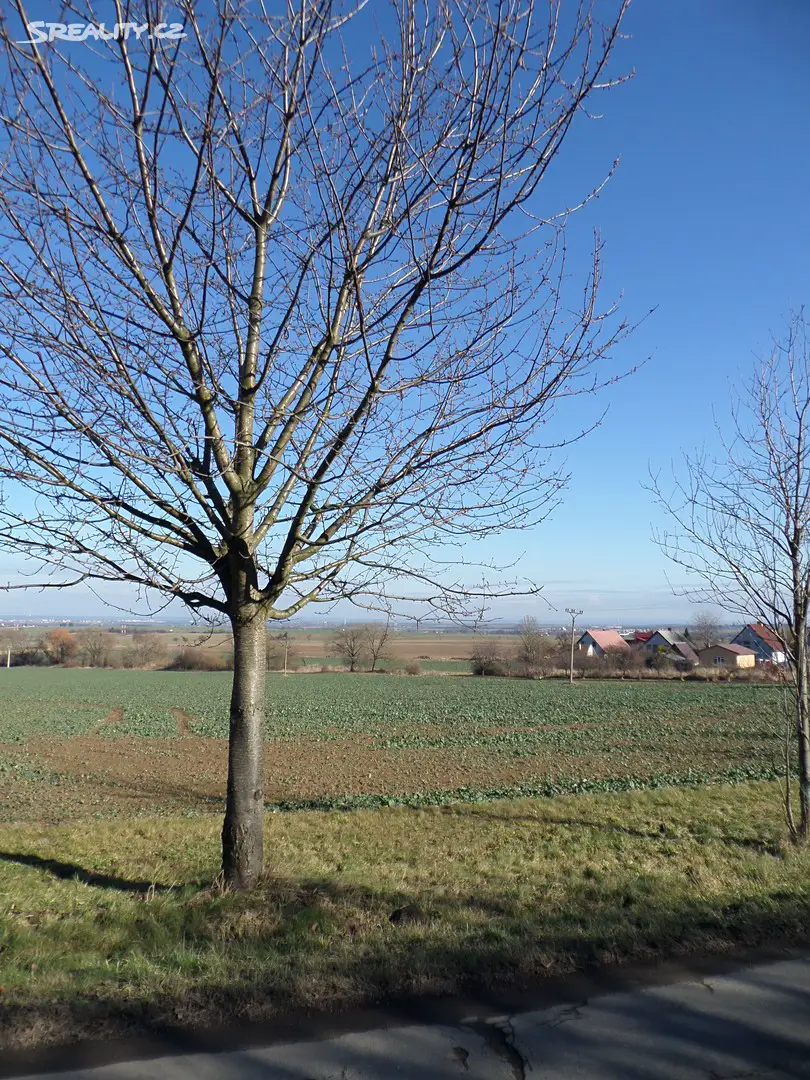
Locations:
(531, 646)
(741, 523)
(378, 643)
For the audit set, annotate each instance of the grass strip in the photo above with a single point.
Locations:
(119, 929)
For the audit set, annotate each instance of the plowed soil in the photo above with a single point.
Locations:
(90, 774)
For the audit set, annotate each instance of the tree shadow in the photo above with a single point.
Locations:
(393, 946)
(66, 871)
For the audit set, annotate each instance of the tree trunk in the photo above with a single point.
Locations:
(244, 811)
(803, 729)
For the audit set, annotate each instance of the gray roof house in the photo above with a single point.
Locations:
(763, 641)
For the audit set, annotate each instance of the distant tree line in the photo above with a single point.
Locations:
(84, 648)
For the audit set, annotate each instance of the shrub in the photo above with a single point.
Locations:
(197, 658)
(32, 655)
(61, 645)
(486, 660)
(413, 667)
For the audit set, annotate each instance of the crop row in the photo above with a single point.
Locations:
(609, 729)
(64, 702)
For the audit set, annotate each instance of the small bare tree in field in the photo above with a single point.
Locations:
(281, 656)
(378, 643)
(487, 657)
(145, 650)
(531, 650)
(742, 524)
(12, 641)
(95, 647)
(623, 661)
(283, 307)
(350, 644)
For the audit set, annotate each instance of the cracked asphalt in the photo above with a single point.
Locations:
(754, 1022)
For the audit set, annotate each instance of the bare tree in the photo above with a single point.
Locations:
(623, 661)
(378, 642)
(531, 646)
(282, 309)
(95, 646)
(281, 656)
(742, 523)
(704, 630)
(12, 641)
(350, 644)
(146, 649)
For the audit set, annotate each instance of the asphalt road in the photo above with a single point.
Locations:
(754, 1022)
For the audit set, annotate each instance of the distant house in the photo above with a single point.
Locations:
(598, 642)
(763, 641)
(727, 656)
(667, 645)
(661, 639)
(684, 655)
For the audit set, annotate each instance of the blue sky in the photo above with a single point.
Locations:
(707, 221)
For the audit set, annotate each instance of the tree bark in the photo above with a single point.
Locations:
(244, 811)
(803, 729)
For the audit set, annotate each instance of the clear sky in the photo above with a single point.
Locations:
(707, 221)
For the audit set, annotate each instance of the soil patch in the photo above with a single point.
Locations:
(92, 774)
(184, 722)
(114, 716)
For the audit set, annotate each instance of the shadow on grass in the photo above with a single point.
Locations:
(66, 871)
(304, 945)
(417, 958)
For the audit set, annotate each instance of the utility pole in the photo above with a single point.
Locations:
(286, 644)
(573, 612)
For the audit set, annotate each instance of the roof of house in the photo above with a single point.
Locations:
(765, 634)
(668, 635)
(643, 635)
(686, 651)
(607, 639)
(738, 649)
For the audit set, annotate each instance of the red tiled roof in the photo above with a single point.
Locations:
(608, 639)
(643, 635)
(767, 635)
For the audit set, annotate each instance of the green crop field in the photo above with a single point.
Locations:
(335, 739)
